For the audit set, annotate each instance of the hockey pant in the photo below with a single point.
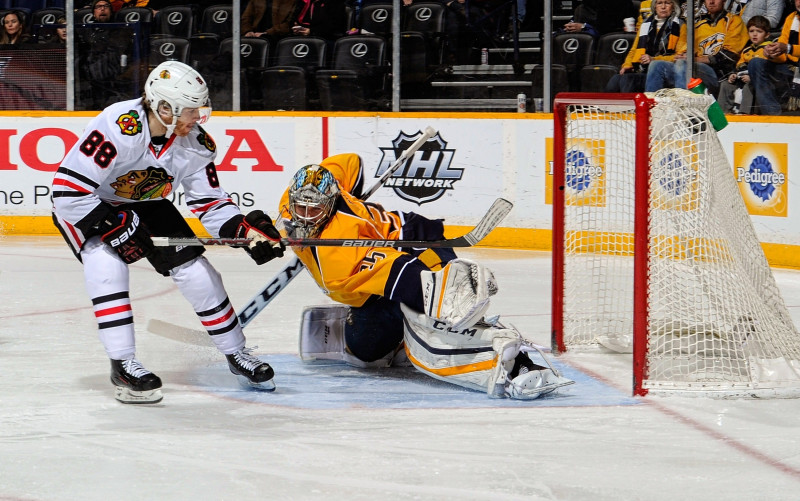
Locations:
(108, 284)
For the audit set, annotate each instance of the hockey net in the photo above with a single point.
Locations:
(654, 252)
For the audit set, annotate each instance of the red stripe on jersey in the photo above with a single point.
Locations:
(112, 311)
(209, 323)
(70, 184)
(206, 207)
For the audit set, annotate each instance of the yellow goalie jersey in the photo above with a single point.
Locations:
(351, 275)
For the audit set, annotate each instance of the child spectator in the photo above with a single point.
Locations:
(736, 93)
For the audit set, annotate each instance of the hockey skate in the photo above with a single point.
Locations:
(528, 380)
(250, 371)
(133, 383)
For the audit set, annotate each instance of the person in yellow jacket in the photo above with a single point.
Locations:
(765, 72)
(736, 93)
(719, 38)
(661, 35)
(424, 306)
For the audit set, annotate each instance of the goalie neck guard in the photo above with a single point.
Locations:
(178, 87)
(312, 197)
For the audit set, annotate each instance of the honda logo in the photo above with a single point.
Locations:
(571, 45)
(359, 50)
(167, 49)
(300, 50)
(175, 18)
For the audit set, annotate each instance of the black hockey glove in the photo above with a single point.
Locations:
(266, 244)
(127, 235)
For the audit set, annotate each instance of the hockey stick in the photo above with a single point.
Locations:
(293, 268)
(499, 209)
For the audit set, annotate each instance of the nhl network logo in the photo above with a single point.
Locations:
(426, 175)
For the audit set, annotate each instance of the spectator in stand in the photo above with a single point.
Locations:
(765, 73)
(13, 34)
(321, 18)
(104, 75)
(746, 9)
(598, 17)
(719, 39)
(736, 93)
(273, 27)
(661, 36)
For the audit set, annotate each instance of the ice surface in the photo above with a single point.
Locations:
(333, 432)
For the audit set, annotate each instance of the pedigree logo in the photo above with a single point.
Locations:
(584, 172)
(761, 171)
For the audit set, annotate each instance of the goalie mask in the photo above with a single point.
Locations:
(312, 197)
(178, 89)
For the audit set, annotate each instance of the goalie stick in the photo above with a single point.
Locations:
(496, 213)
(293, 268)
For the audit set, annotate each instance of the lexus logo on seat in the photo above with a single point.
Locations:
(380, 15)
(167, 49)
(48, 19)
(359, 50)
(571, 45)
(175, 18)
(620, 46)
(245, 49)
(300, 50)
(132, 17)
(423, 14)
(220, 16)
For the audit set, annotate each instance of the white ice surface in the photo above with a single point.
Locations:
(330, 432)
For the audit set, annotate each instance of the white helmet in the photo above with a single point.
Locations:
(179, 86)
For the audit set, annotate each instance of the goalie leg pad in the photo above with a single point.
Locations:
(322, 332)
(458, 293)
(322, 337)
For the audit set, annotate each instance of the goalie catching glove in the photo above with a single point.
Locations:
(266, 242)
(458, 293)
(127, 235)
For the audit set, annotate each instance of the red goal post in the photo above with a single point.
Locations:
(654, 252)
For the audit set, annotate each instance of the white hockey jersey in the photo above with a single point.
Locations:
(115, 162)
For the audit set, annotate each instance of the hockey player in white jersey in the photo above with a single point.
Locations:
(110, 195)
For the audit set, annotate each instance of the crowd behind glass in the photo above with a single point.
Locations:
(299, 54)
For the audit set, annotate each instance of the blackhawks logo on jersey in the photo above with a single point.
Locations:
(146, 184)
(129, 123)
(205, 140)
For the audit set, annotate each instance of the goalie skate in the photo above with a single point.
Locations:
(250, 370)
(133, 384)
(530, 380)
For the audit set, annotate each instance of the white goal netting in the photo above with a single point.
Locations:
(714, 322)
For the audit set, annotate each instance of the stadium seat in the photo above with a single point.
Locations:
(176, 21)
(168, 49)
(356, 80)
(134, 15)
(253, 57)
(283, 88)
(413, 64)
(559, 80)
(203, 47)
(84, 16)
(46, 16)
(217, 19)
(376, 18)
(613, 48)
(427, 18)
(573, 51)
